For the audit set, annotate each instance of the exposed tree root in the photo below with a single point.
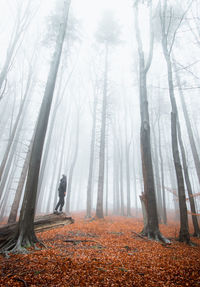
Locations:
(156, 235)
(76, 241)
(19, 245)
(139, 235)
(197, 235)
(184, 237)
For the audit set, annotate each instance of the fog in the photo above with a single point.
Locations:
(99, 109)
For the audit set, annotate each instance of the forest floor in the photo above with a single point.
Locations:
(104, 253)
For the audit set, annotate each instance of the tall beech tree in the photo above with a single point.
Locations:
(151, 228)
(24, 234)
(74, 160)
(91, 164)
(189, 127)
(108, 35)
(195, 156)
(168, 32)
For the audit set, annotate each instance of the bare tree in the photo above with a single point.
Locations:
(91, 164)
(152, 228)
(108, 35)
(24, 17)
(74, 160)
(168, 37)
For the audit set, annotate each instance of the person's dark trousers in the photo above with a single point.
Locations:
(60, 203)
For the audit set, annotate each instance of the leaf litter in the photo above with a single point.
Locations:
(104, 253)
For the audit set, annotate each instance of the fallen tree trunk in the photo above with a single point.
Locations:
(41, 223)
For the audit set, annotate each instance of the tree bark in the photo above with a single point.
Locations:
(162, 175)
(91, 165)
(71, 171)
(99, 207)
(189, 129)
(127, 155)
(157, 177)
(152, 228)
(189, 186)
(184, 232)
(15, 205)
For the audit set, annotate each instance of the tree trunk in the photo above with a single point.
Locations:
(71, 171)
(189, 129)
(135, 187)
(184, 232)
(128, 174)
(162, 175)
(121, 183)
(157, 177)
(15, 205)
(99, 207)
(188, 184)
(91, 165)
(151, 229)
(107, 176)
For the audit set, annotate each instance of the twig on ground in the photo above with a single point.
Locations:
(139, 235)
(21, 280)
(75, 241)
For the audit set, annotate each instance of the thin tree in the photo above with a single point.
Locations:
(162, 173)
(108, 35)
(74, 160)
(189, 127)
(23, 20)
(152, 228)
(168, 33)
(91, 164)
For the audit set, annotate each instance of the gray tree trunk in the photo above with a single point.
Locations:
(121, 183)
(15, 205)
(157, 176)
(162, 174)
(188, 184)
(184, 231)
(189, 129)
(91, 164)
(99, 206)
(128, 145)
(107, 176)
(71, 171)
(151, 229)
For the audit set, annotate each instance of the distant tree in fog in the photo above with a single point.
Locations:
(23, 18)
(108, 35)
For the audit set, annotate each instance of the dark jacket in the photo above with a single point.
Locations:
(62, 187)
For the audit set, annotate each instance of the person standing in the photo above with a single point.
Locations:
(61, 193)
